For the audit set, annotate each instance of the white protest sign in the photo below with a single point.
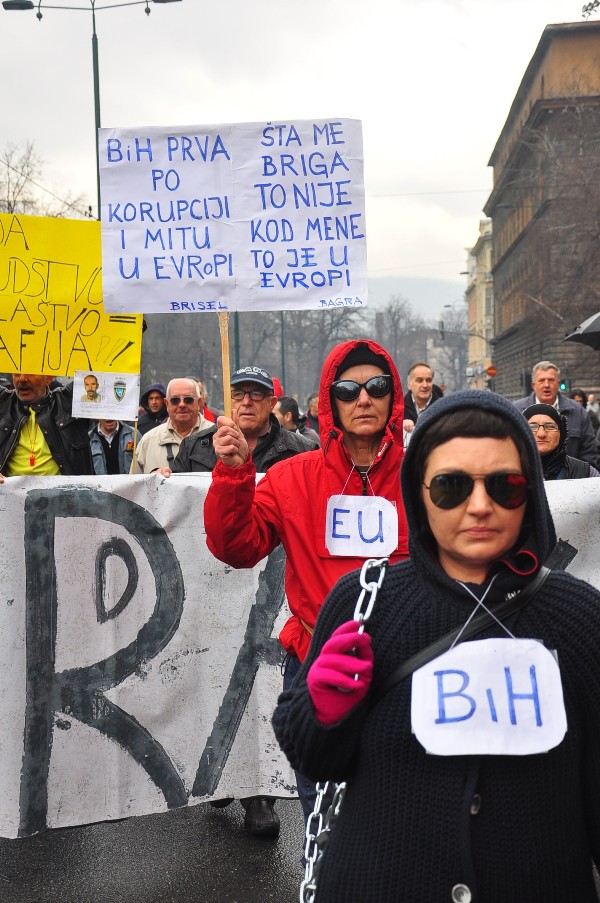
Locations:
(363, 525)
(112, 396)
(138, 673)
(251, 216)
(495, 697)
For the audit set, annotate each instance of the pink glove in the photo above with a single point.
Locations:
(331, 684)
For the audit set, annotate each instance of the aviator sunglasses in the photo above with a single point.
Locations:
(349, 389)
(449, 490)
(187, 399)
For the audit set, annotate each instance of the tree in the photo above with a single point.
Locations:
(401, 332)
(448, 353)
(21, 170)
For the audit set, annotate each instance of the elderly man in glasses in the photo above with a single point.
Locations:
(159, 446)
(550, 430)
(545, 382)
(252, 402)
(331, 509)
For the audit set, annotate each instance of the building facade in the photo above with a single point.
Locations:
(545, 209)
(480, 309)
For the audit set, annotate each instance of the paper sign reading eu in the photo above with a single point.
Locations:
(361, 525)
(500, 697)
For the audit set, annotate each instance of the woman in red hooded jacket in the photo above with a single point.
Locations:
(332, 508)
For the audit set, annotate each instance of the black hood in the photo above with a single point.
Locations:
(538, 537)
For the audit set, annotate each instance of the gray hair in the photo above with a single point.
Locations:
(187, 379)
(544, 365)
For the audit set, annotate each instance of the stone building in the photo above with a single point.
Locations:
(545, 209)
(480, 309)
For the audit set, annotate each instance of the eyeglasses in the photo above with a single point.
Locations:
(449, 490)
(349, 389)
(254, 395)
(187, 399)
(547, 427)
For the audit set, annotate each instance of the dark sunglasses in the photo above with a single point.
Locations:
(349, 389)
(187, 399)
(449, 490)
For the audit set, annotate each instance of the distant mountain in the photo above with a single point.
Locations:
(427, 296)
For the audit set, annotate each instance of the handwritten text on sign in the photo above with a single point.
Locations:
(51, 316)
(252, 216)
(363, 525)
(489, 697)
(136, 666)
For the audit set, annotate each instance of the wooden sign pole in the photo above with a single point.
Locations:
(224, 330)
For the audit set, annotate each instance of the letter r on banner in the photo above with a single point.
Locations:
(82, 689)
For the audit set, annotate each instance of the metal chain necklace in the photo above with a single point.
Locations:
(319, 824)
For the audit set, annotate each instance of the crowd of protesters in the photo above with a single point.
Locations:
(448, 494)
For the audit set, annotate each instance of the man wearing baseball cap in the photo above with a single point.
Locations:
(252, 404)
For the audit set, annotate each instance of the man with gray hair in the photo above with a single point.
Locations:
(159, 446)
(545, 381)
(422, 392)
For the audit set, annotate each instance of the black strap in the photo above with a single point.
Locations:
(170, 455)
(476, 625)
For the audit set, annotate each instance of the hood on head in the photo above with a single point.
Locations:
(538, 517)
(335, 364)
(155, 387)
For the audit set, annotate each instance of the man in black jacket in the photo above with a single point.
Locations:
(38, 433)
(422, 392)
(153, 402)
(253, 401)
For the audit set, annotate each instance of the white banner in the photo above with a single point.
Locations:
(251, 216)
(139, 673)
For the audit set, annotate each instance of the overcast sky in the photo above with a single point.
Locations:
(431, 80)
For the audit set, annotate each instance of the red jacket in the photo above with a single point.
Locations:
(246, 520)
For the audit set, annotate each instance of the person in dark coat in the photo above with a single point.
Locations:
(273, 443)
(422, 392)
(550, 431)
(253, 400)
(153, 402)
(545, 381)
(485, 823)
(38, 434)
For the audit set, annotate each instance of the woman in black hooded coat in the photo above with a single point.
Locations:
(468, 828)
(550, 429)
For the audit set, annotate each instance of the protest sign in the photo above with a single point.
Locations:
(139, 673)
(51, 316)
(112, 396)
(251, 216)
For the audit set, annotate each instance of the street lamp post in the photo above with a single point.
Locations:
(17, 5)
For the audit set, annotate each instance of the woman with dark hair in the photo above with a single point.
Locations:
(475, 778)
(550, 430)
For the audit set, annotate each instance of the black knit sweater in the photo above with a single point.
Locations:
(413, 826)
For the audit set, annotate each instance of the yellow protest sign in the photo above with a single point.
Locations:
(52, 320)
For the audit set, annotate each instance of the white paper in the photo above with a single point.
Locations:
(497, 696)
(113, 396)
(246, 216)
(361, 525)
